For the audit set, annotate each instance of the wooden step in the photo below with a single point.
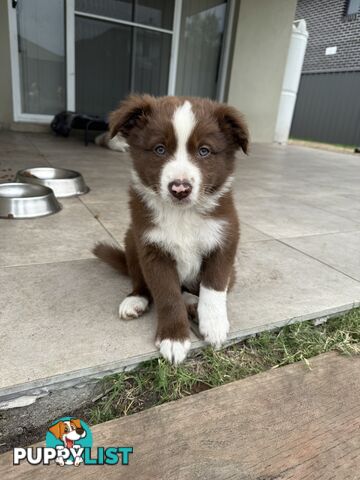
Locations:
(289, 423)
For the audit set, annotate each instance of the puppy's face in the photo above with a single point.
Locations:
(68, 431)
(183, 149)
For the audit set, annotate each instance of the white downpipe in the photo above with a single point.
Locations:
(294, 63)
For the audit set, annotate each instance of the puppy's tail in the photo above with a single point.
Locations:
(113, 256)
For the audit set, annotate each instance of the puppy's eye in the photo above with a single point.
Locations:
(204, 151)
(160, 150)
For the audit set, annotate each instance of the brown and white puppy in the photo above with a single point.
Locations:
(184, 229)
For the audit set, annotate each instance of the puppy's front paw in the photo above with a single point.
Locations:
(214, 329)
(174, 351)
(213, 321)
(132, 307)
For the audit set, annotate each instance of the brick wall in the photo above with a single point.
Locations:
(329, 26)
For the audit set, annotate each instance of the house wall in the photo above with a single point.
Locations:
(330, 26)
(260, 52)
(6, 112)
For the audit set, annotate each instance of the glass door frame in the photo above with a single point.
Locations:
(70, 13)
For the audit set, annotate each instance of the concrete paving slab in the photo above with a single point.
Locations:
(348, 185)
(251, 234)
(61, 318)
(277, 285)
(114, 216)
(297, 171)
(339, 250)
(50, 143)
(68, 235)
(282, 217)
(347, 206)
(11, 148)
(13, 138)
(301, 189)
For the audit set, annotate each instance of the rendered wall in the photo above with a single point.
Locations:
(260, 51)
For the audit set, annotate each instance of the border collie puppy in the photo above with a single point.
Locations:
(184, 229)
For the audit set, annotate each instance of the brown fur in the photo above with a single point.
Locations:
(113, 256)
(146, 121)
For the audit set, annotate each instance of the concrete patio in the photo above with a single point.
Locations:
(299, 258)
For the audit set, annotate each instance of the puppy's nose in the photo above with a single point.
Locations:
(180, 189)
(80, 430)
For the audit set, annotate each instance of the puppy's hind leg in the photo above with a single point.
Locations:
(191, 303)
(137, 302)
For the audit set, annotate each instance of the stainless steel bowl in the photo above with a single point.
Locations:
(64, 183)
(21, 200)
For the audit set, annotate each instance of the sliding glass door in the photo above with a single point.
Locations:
(201, 39)
(41, 56)
(87, 55)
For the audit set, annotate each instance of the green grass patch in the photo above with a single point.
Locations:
(309, 140)
(156, 382)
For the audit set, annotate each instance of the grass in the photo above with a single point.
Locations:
(325, 144)
(156, 382)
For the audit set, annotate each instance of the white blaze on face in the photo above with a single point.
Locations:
(180, 167)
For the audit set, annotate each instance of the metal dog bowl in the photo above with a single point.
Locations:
(64, 183)
(21, 200)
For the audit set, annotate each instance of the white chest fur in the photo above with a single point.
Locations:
(187, 236)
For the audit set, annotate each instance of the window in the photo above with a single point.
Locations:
(353, 7)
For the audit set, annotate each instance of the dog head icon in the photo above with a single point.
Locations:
(68, 431)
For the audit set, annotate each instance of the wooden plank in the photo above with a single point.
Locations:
(290, 423)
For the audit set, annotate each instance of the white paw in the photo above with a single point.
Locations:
(133, 307)
(173, 350)
(213, 321)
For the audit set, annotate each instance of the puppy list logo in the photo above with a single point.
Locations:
(69, 442)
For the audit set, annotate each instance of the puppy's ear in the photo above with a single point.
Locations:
(57, 430)
(233, 125)
(76, 422)
(133, 111)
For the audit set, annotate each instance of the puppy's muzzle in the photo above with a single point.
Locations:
(180, 189)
